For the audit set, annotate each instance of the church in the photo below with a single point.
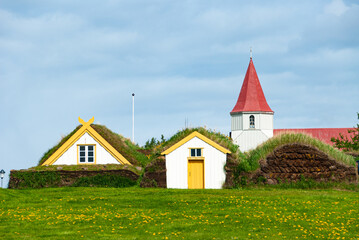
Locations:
(252, 117)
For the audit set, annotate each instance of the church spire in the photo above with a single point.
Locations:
(251, 98)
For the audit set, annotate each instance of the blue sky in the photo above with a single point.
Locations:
(184, 59)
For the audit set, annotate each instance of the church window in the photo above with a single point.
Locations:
(251, 121)
(86, 153)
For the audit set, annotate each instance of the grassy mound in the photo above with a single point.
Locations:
(251, 161)
(123, 145)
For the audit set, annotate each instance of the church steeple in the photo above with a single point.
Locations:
(251, 117)
(251, 97)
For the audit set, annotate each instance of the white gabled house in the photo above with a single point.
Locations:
(195, 162)
(86, 146)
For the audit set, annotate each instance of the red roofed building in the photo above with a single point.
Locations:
(323, 134)
(252, 118)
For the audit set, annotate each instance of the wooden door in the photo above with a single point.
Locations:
(195, 174)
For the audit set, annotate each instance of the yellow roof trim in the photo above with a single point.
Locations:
(86, 127)
(200, 136)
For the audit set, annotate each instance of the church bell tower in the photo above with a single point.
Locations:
(251, 117)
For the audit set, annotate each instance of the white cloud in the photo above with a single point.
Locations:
(336, 7)
(332, 59)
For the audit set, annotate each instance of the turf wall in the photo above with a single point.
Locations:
(61, 178)
(291, 162)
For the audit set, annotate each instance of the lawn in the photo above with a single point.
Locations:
(135, 213)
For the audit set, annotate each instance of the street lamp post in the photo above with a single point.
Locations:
(2, 173)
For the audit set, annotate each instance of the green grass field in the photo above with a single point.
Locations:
(135, 213)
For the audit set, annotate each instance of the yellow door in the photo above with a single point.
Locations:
(195, 174)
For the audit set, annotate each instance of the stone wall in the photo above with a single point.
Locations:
(155, 174)
(293, 161)
(231, 169)
(60, 178)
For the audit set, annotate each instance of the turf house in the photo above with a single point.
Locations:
(195, 162)
(85, 146)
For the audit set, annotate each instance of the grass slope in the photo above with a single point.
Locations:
(122, 145)
(133, 213)
(251, 161)
(57, 146)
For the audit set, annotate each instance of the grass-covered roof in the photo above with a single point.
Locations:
(251, 160)
(90, 167)
(217, 137)
(123, 145)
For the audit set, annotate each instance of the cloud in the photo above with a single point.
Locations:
(336, 7)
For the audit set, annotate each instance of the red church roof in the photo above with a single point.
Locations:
(251, 98)
(323, 134)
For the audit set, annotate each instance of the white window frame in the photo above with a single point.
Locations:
(87, 154)
(196, 152)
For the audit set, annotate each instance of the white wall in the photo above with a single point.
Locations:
(70, 156)
(177, 165)
(249, 138)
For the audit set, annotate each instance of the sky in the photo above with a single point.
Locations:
(183, 60)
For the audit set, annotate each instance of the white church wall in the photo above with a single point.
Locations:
(248, 139)
(177, 165)
(101, 155)
(236, 122)
(266, 121)
(240, 121)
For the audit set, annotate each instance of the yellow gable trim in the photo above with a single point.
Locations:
(200, 136)
(86, 127)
